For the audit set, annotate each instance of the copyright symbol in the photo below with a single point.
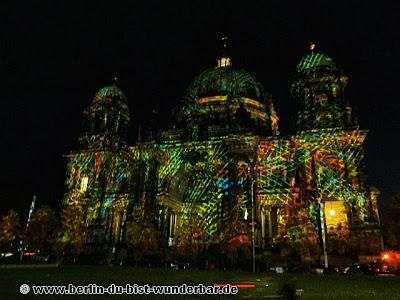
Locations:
(24, 289)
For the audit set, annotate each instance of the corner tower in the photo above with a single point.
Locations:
(99, 173)
(107, 119)
(319, 88)
(329, 160)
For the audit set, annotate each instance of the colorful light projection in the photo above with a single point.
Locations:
(203, 172)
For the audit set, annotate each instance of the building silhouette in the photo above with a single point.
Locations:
(223, 157)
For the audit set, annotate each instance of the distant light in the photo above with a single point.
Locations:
(332, 212)
(29, 253)
(312, 46)
(386, 256)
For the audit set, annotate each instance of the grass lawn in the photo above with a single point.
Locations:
(314, 286)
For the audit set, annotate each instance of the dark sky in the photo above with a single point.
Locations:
(54, 57)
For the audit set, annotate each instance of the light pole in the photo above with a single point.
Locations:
(252, 220)
(323, 232)
(21, 245)
(322, 219)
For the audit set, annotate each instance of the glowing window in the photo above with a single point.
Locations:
(84, 184)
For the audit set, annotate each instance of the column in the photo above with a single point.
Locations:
(262, 228)
(270, 229)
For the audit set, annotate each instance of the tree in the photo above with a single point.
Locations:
(391, 223)
(191, 239)
(300, 239)
(72, 230)
(141, 234)
(235, 238)
(42, 230)
(10, 229)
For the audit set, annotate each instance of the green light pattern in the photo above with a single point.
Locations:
(185, 180)
(315, 60)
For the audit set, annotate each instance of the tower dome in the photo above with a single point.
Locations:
(315, 60)
(225, 99)
(319, 89)
(111, 97)
(107, 119)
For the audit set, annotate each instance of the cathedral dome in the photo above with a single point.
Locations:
(225, 80)
(315, 61)
(228, 99)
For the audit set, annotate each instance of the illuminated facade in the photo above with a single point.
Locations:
(224, 151)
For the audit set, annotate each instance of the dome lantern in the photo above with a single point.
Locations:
(225, 60)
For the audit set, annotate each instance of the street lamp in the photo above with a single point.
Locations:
(322, 218)
(251, 169)
(323, 232)
(22, 248)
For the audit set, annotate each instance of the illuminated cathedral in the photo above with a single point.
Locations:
(225, 167)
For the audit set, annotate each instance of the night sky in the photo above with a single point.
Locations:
(54, 57)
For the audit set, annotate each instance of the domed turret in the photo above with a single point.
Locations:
(111, 97)
(319, 88)
(107, 119)
(315, 61)
(223, 100)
